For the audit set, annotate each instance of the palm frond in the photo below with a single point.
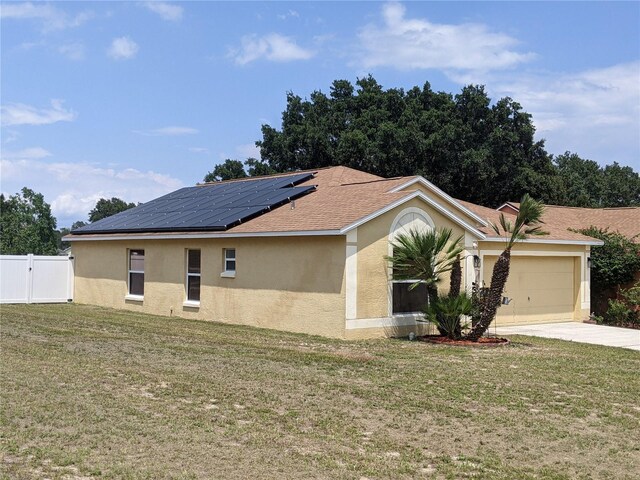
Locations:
(495, 228)
(424, 255)
(528, 221)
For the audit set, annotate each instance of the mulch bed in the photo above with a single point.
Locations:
(482, 341)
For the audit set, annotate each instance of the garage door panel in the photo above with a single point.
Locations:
(530, 319)
(541, 298)
(538, 314)
(541, 289)
(525, 280)
(544, 265)
(514, 308)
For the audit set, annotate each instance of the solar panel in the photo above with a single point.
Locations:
(209, 207)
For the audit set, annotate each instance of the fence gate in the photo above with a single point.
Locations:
(36, 279)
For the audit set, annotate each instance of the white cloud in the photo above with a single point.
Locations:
(248, 150)
(26, 154)
(595, 113)
(273, 47)
(166, 10)
(73, 189)
(289, 14)
(198, 150)
(123, 48)
(26, 46)
(50, 17)
(172, 131)
(21, 114)
(73, 51)
(406, 44)
(10, 136)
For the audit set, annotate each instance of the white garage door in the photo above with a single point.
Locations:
(542, 289)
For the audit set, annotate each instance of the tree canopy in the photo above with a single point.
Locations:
(228, 170)
(64, 231)
(106, 207)
(232, 169)
(587, 184)
(27, 225)
(474, 149)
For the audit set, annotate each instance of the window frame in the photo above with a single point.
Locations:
(130, 271)
(227, 272)
(399, 226)
(410, 282)
(190, 302)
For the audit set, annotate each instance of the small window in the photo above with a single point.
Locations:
(136, 272)
(193, 275)
(230, 260)
(406, 300)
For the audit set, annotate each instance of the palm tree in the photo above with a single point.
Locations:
(423, 256)
(528, 222)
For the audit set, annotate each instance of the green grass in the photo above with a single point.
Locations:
(87, 392)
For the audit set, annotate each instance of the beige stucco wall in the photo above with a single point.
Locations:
(287, 283)
(553, 274)
(373, 245)
(336, 286)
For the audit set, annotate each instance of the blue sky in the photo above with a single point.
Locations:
(136, 99)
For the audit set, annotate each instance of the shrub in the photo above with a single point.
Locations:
(617, 314)
(632, 296)
(446, 313)
(624, 312)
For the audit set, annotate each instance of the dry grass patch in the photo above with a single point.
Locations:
(88, 392)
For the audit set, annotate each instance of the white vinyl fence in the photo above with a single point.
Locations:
(36, 279)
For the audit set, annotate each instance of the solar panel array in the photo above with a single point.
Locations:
(211, 207)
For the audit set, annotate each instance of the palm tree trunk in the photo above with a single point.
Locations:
(456, 278)
(493, 297)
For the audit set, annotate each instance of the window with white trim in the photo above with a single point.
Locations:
(193, 275)
(404, 299)
(230, 261)
(407, 299)
(136, 272)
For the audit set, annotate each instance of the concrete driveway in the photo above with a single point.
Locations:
(578, 332)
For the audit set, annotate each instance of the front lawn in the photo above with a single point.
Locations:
(88, 392)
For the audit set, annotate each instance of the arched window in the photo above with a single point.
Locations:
(403, 299)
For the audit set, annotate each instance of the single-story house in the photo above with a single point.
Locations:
(305, 252)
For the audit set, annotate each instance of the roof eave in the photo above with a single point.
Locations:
(411, 195)
(508, 204)
(198, 235)
(548, 241)
(427, 184)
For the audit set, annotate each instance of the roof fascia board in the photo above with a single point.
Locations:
(303, 233)
(547, 241)
(508, 204)
(427, 184)
(426, 199)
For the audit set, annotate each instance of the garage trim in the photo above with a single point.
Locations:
(585, 274)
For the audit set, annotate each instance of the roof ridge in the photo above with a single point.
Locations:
(259, 177)
(283, 174)
(370, 181)
(592, 208)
